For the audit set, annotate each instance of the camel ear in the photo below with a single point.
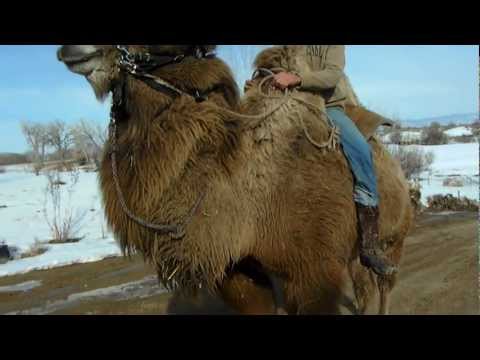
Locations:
(269, 58)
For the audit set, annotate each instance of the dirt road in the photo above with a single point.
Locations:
(439, 275)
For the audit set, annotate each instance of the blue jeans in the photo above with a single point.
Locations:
(359, 155)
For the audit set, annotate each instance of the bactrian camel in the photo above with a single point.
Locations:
(236, 199)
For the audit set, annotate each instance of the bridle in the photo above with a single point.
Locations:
(140, 65)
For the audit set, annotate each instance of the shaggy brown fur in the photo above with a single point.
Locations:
(310, 225)
(278, 201)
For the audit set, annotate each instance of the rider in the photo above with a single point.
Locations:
(325, 76)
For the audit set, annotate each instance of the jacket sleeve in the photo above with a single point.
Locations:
(329, 77)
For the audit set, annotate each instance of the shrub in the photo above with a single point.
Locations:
(451, 181)
(434, 135)
(396, 136)
(13, 159)
(464, 139)
(413, 159)
(415, 191)
(451, 203)
(61, 216)
(36, 249)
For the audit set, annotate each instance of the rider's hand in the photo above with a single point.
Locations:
(286, 80)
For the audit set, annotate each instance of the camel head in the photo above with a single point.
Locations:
(96, 62)
(100, 63)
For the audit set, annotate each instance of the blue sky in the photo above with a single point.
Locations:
(406, 82)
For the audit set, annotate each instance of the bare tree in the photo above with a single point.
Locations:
(434, 135)
(37, 139)
(81, 143)
(451, 125)
(413, 159)
(396, 136)
(89, 139)
(59, 137)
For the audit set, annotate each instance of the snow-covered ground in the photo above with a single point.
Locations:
(140, 289)
(459, 160)
(22, 221)
(409, 136)
(413, 136)
(459, 131)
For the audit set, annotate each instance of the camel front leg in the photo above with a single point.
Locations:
(252, 289)
(278, 292)
(384, 288)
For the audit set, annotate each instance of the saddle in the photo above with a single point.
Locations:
(367, 121)
(282, 57)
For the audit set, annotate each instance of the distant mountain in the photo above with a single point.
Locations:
(443, 120)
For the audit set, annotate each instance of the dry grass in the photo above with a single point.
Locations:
(38, 248)
(413, 160)
(65, 241)
(451, 181)
(61, 216)
(451, 203)
(13, 159)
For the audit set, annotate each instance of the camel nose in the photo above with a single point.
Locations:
(65, 52)
(68, 52)
(75, 53)
(59, 54)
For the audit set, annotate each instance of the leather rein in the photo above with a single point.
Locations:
(139, 65)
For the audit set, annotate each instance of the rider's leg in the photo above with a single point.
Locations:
(359, 155)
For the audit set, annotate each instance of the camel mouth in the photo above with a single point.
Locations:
(76, 60)
(79, 60)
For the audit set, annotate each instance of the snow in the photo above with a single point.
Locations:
(411, 135)
(434, 186)
(25, 286)
(453, 159)
(140, 289)
(406, 136)
(22, 222)
(443, 213)
(460, 160)
(459, 131)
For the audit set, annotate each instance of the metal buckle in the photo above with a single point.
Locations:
(178, 58)
(127, 59)
(199, 97)
(198, 52)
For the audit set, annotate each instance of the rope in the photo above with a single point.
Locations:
(333, 138)
(176, 231)
(257, 120)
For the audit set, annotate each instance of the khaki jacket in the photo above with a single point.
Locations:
(321, 68)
